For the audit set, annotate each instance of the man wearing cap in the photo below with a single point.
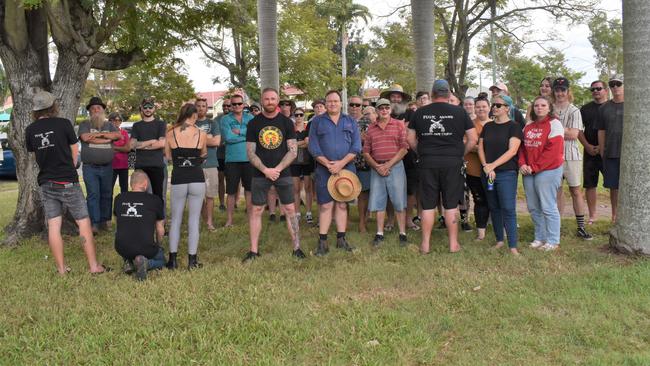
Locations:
(287, 106)
(384, 148)
(54, 144)
(334, 142)
(271, 147)
(211, 164)
(501, 89)
(97, 135)
(592, 165)
(569, 116)
(319, 107)
(148, 140)
(610, 138)
(436, 132)
(256, 108)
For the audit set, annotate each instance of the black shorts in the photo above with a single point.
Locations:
(222, 165)
(236, 172)
(448, 181)
(301, 170)
(591, 165)
(261, 185)
(412, 181)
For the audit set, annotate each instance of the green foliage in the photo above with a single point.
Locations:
(606, 37)
(123, 90)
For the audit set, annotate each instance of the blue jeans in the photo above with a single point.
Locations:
(157, 261)
(541, 197)
(502, 202)
(392, 186)
(99, 190)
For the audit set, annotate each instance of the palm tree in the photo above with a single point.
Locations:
(267, 28)
(342, 13)
(423, 39)
(631, 234)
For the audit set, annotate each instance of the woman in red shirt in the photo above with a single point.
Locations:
(121, 156)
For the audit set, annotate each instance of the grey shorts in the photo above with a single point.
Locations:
(260, 188)
(56, 197)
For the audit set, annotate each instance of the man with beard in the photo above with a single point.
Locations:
(221, 156)
(398, 100)
(97, 136)
(271, 147)
(211, 164)
(148, 140)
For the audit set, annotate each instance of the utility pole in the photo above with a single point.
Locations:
(344, 68)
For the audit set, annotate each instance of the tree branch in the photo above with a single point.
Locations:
(118, 60)
(15, 25)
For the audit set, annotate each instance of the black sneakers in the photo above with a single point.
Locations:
(341, 243)
(140, 263)
(193, 262)
(403, 240)
(128, 267)
(250, 256)
(378, 240)
(322, 248)
(298, 253)
(465, 226)
(583, 234)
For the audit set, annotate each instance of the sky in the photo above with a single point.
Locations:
(573, 41)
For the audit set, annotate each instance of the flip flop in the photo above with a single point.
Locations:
(106, 270)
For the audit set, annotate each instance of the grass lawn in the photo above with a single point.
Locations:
(580, 305)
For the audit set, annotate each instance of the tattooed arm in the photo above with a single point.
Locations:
(290, 156)
(253, 158)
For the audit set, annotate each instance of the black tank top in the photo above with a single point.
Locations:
(187, 163)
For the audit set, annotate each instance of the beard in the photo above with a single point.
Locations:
(270, 108)
(398, 108)
(97, 120)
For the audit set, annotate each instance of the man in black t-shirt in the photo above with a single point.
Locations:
(436, 132)
(54, 144)
(592, 163)
(271, 147)
(140, 227)
(148, 140)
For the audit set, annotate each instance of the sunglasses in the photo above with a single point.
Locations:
(356, 105)
(498, 105)
(285, 104)
(383, 108)
(298, 114)
(596, 88)
(226, 105)
(236, 104)
(615, 84)
(147, 107)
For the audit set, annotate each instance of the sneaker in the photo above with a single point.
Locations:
(377, 240)
(298, 253)
(250, 256)
(272, 218)
(441, 223)
(537, 244)
(583, 234)
(309, 218)
(416, 220)
(549, 247)
(403, 240)
(341, 243)
(128, 267)
(465, 226)
(140, 267)
(322, 248)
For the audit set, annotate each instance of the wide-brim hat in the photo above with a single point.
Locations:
(395, 88)
(95, 101)
(344, 186)
(42, 100)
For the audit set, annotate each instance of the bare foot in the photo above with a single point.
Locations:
(514, 251)
(99, 269)
(498, 245)
(454, 248)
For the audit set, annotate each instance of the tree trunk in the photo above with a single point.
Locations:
(423, 39)
(631, 234)
(267, 26)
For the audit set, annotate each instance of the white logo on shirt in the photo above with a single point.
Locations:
(45, 139)
(436, 125)
(131, 211)
(186, 162)
(436, 128)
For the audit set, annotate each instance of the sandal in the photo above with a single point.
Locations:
(106, 270)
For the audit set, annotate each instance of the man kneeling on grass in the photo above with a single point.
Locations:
(139, 215)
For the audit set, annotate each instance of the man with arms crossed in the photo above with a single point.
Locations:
(210, 165)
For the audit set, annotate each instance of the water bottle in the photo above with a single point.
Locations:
(490, 184)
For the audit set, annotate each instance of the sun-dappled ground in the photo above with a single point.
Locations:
(391, 306)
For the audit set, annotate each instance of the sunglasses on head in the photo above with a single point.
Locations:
(596, 88)
(237, 104)
(298, 114)
(357, 105)
(615, 84)
(498, 105)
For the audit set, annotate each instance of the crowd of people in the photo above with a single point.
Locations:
(399, 160)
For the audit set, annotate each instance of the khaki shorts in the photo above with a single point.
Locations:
(573, 172)
(211, 182)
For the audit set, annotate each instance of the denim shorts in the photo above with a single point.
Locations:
(57, 197)
(392, 186)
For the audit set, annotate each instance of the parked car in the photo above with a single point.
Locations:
(8, 163)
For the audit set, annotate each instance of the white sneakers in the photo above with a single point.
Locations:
(536, 244)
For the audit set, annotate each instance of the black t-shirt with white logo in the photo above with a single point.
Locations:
(496, 141)
(50, 139)
(270, 136)
(136, 214)
(440, 128)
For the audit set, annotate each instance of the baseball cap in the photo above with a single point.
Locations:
(561, 82)
(440, 85)
(42, 100)
(382, 101)
(500, 85)
(618, 77)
